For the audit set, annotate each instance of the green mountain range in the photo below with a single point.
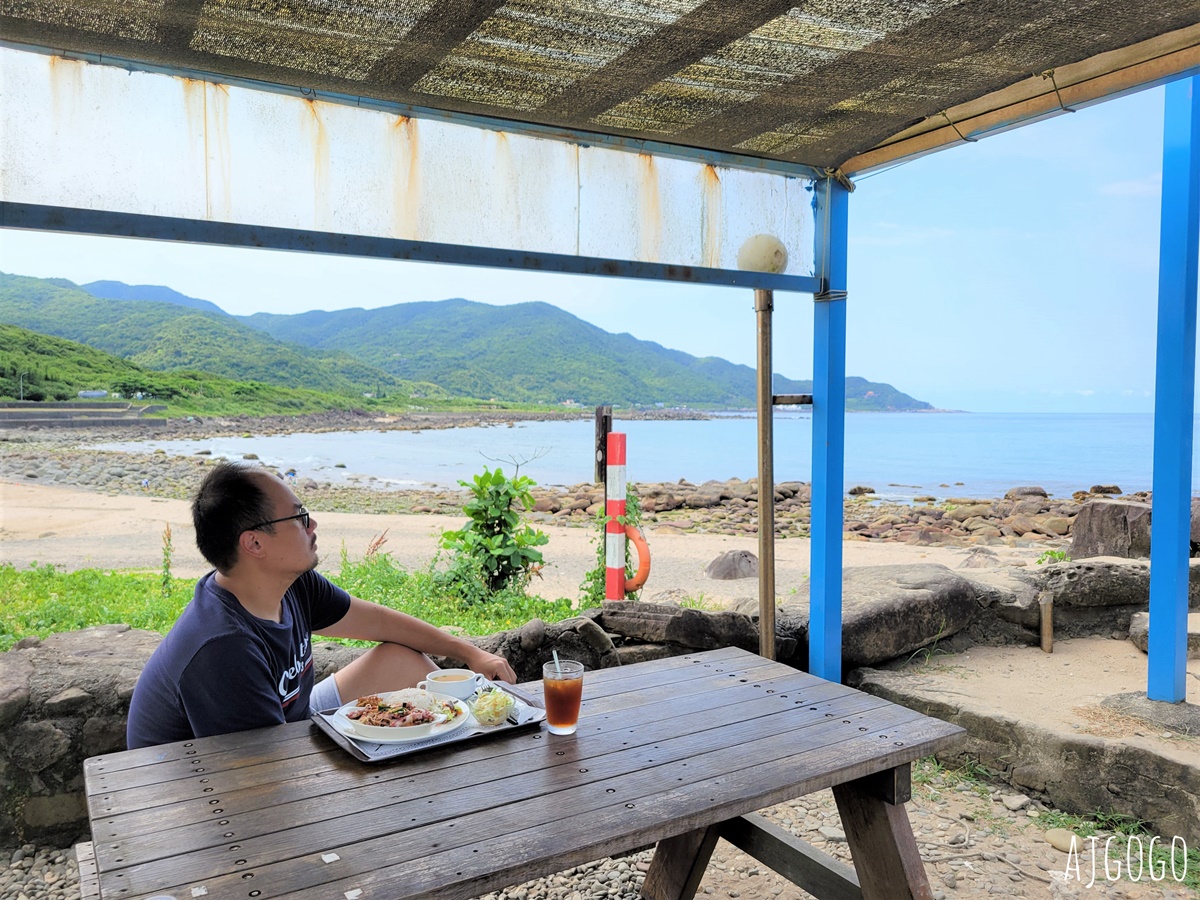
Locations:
(525, 353)
(35, 366)
(168, 336)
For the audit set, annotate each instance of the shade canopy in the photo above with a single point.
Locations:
(849, 85)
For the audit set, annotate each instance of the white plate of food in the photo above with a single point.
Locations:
(398, 716)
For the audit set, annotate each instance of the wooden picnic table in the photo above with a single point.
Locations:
(675, 752)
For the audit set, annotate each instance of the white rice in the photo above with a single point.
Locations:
(416, 698)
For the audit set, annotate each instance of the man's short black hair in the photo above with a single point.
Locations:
(230, 501)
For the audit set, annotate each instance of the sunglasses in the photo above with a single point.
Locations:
(302, 516)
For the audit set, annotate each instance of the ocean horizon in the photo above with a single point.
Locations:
(900, 455)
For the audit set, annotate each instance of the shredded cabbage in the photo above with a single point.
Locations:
(492, 706)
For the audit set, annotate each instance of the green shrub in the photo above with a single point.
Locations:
(493, 551)
(1053, 556)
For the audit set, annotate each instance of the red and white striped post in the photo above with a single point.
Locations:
(614, 507)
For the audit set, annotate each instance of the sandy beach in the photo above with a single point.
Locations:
(74, 529)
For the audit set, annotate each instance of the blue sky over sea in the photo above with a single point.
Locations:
(1018, 273)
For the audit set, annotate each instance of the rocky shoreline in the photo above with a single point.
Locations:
(1024, 517)
(196, 427)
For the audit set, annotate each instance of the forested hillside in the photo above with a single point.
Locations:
(42, 367)
(528, 353)
(535, 352)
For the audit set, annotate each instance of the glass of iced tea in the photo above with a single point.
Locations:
(562, 684)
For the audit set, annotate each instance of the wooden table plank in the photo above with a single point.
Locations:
(472, 870)
(238, 795)
(116, 831)
(112, 796)
(407, 832)
(360, 815)
(255, 740)
(664, 748)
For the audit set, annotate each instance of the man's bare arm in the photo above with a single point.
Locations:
(366, 621)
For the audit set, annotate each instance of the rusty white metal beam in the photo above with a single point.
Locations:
(659, 149)
(77, 136)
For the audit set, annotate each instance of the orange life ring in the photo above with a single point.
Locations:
(643, 552)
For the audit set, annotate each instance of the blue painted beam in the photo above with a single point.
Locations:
(829, 433)
(1174, 393)
(200, 231)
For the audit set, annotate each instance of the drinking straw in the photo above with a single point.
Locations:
(557, 666)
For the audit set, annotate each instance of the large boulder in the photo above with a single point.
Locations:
(891, 611)
(1111, 528)
(677, 627)
(732, 565)
(887, 612)
(1088, 596)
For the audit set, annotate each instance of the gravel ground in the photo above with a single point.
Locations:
(973, 844)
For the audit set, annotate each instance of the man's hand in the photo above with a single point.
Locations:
(493, 666)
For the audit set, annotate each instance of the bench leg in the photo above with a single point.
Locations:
(678, 865)
(881, 839)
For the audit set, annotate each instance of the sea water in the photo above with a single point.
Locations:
(900, 455)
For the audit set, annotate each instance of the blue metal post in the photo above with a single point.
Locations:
(829, 433)
(1174, 393)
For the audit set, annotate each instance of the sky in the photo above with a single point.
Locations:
(1018, 273)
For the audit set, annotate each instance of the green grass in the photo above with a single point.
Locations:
(378, 577)
(42, 600)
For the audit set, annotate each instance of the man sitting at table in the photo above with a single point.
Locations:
(240, 654)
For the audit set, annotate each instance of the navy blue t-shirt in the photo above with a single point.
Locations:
(221, 669)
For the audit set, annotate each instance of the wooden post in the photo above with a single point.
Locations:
(603, 427)
(763, 306)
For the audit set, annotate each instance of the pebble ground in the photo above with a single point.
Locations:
(974, 846)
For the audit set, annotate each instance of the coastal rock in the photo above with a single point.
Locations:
(980, 558)
(576, 638)
(1104, 489)
(962, 513)
(1052, 526)
(682, 627)
(1139, 633)
(1020, 524)
(16, 669)
(733, 565)
(1018, 493)
(859, 489)
(1029, 506)
(1089, 596)
(1111, 528)
(1064, 840)
(887, 612)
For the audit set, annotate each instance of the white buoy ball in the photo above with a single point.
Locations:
(763, 253)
